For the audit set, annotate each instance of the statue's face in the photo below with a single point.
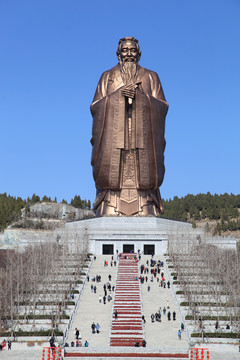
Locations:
(129, 52)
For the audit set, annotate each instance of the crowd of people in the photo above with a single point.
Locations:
(4, 344)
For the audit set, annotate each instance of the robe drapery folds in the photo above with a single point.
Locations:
(149, 110)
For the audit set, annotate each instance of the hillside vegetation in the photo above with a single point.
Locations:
(218, 213)
(10, 207)
(222, 210)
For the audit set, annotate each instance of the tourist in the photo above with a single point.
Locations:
(168, 306)
(51, 341)
(168, 284)
(182, 326)
(143, 319)
(164, 311)
(100, 299)
(86, 343)
(179, 334)
(9, 344)
(144, 343)
(77, 333)
(104, 300)
(158, 317)
(174, 315)
(4, 344)
(152, 318)
(93, 326)
(116, 314)
(98, 328)
(169, 315)
(54, 348)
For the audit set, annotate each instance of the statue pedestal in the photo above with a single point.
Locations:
(109, 235)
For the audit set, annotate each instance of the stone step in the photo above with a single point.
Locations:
(127, 328)
(126, 355)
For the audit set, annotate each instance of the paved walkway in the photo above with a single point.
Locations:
(91, 309)
(162, 334)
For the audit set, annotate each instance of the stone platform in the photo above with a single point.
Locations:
(109, 235)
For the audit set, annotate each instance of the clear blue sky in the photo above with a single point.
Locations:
(52, 55)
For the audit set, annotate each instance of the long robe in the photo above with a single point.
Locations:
(109, 128)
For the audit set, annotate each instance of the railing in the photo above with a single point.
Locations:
(199, 353)
(51, 353)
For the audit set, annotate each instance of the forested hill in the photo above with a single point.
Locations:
(10, 207)
(224, 210)
(221, 211)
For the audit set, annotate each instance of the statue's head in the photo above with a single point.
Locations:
(128, 50)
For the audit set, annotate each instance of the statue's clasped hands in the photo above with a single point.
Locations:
(129, 91)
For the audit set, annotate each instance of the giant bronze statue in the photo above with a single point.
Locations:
(129, 110)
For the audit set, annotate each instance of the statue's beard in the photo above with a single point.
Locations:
(129, 70)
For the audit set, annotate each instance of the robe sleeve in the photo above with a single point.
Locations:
(101, 90)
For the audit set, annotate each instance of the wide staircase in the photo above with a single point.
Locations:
(127, 329)
(121, 319)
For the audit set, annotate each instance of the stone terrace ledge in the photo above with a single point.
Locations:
(111, 351)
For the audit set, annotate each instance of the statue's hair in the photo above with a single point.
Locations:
(125, 39)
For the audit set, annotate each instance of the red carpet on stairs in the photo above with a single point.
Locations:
(127, 327)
